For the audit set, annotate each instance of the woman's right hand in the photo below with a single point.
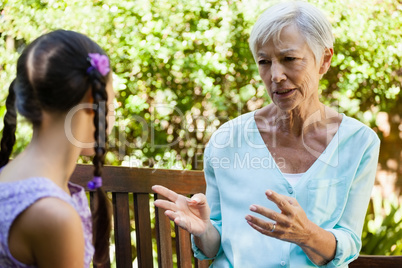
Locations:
(191, 214)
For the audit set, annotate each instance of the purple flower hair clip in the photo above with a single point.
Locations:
(95, 183)
(98, 62)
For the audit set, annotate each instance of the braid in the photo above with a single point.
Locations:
(102, 210)
(10, 124)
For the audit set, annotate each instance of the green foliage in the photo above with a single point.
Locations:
(382, 230)
(366, 69)
(182, 68)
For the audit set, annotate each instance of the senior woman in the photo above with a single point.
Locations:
(287, 185)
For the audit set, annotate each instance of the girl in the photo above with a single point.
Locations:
(63, 86)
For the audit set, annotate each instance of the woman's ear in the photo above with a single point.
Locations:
(326, 60)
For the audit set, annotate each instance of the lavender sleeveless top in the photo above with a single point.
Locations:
(17, 196)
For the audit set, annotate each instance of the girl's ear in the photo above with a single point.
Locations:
(326, 60)
(88, 99)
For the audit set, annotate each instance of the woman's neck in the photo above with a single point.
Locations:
(300, 119)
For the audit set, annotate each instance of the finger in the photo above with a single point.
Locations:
(198, 199)
(180, 221)
(261, 230)
(169, 194)
(292, 201)
(164, 204)
(280, 200)
(175, 217)
(269, 213)
(262, 226)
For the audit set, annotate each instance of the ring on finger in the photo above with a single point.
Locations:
(273, 227)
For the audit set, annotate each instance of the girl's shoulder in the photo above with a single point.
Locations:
(30, 188)
(49, 227)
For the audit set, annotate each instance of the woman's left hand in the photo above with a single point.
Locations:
(291, 224)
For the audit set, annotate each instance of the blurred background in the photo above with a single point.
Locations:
(183, 67)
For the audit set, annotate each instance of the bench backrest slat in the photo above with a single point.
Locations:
(140, 180)
(144, 232)
(183, 248)
(201, 264)
(122, 236)
(163, 238)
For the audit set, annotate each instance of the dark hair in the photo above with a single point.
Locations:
(52, 76)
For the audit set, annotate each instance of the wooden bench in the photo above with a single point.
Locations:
(134, 184)
(377, 261)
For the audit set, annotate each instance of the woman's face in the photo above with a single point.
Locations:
(289, 70)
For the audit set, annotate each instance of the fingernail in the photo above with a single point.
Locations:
(253, 208)
(269, 192)
(248, 218)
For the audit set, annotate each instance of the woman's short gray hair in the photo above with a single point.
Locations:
(310, 21)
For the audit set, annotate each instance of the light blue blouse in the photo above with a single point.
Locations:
(334, 192)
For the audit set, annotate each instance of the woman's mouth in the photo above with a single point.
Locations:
(284, 92)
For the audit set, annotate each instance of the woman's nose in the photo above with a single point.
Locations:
(277, 73)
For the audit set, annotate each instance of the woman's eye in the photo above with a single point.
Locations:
(290, 58)
(262, 62)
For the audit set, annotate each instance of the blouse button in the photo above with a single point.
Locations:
(290, 190)
(283, 263)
